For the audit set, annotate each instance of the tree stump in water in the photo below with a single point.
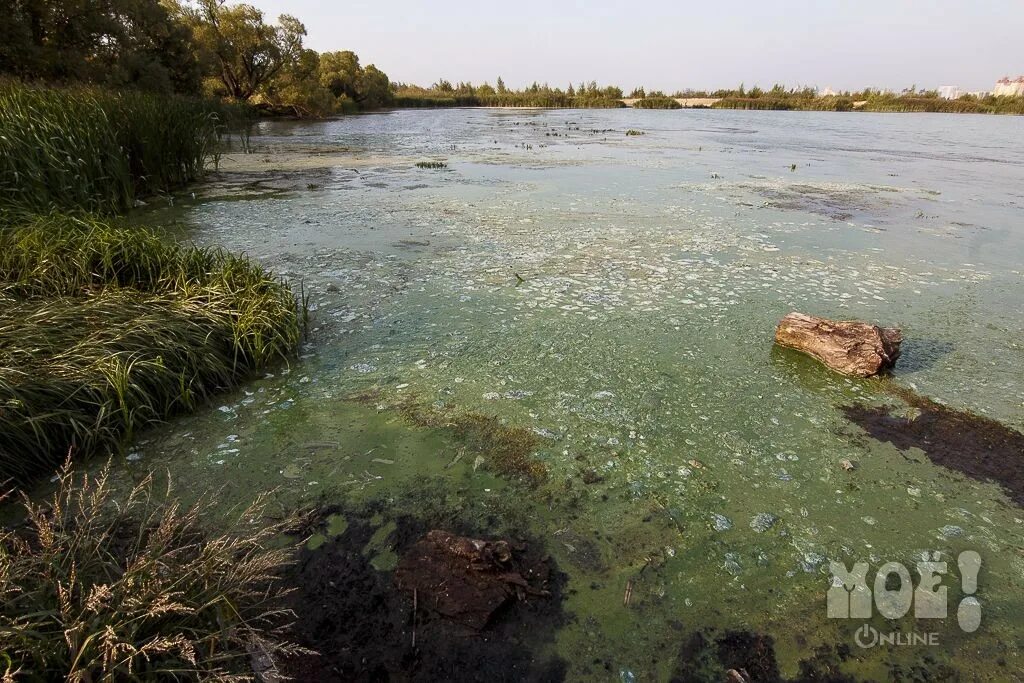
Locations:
(847, 346)
(467, 580)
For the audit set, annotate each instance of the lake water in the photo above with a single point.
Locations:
(609, 302)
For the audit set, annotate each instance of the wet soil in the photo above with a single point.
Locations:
(976, 446)
(365, 629)
(710, 656)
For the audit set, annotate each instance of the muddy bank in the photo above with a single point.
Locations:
(738, 656)
(749, 657)
(976, 446)
(365, 628)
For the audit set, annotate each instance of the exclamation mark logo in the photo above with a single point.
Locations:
(968, 614)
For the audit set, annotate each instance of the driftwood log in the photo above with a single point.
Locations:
(847, 346)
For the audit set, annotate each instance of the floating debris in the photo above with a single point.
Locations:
(363, 368)
(763, 521)
(720, 522)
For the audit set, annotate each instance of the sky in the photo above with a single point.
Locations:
(674, 45)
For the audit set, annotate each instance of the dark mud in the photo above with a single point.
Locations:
(837, 203)
(709, 656)
(706, 657)
(365, 628)
(976, 446)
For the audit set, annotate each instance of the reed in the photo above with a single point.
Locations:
(105, 329)
(657, 103)
(98, 586)
(87, 149)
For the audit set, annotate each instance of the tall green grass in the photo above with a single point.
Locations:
(87, 149)
(105, 329)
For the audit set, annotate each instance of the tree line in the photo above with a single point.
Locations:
(445, 94)
(192, 47)
(215, 48)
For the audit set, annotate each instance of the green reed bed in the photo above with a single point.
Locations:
(657, 103)
(105, 329)
(87, 149)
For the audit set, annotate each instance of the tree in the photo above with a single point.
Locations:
(340, 73)
(501, 86)
(374, 88)
(243, 50)
(299, 87)
(122, 43)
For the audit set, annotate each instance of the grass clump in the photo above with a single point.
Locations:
(96, 587)
(105, 329)
(431, 164)
(88, 149)
(632, 132)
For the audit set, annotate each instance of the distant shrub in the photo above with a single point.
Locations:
(657, 103)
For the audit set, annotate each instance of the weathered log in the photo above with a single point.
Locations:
(847, 346)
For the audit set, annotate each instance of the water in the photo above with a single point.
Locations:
(615, 298)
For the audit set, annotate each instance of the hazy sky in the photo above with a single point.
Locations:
(675, 45)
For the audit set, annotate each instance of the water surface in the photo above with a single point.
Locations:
(615, 297)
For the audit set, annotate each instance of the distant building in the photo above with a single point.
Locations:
(827, 92)
(1009, 88)
(950, 92)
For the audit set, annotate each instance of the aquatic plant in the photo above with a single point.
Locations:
(657, 103)
(509, 450)
(87, 149)
(632, 132)
(105, 329)
(431, 164)
(97, 586)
